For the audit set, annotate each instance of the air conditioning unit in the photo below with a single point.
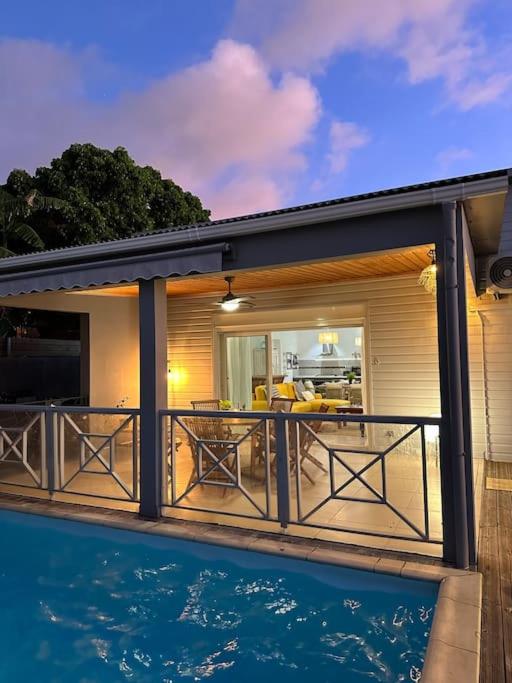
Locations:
(499, 273)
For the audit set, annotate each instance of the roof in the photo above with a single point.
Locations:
(431, 185)
(437, 191)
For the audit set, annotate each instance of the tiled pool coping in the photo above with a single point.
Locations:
(453, 652)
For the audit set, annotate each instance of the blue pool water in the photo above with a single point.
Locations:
(86, 604)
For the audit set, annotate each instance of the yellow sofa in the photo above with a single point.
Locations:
(287, 390)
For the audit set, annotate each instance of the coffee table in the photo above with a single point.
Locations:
(350, 410)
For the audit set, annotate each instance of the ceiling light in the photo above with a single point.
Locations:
(231, 302)
(328, 338)
(428, 276)
(230, 306)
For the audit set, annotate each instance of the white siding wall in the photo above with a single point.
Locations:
(497, 321)
(402, 336)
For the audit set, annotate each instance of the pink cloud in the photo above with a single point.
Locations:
(220, 115)
(245, 195)
(344, 138)
(431, 36)
(220, 127)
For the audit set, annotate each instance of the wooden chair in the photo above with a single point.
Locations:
(208, 404)
(277, 405)
(212, 432)
(281, 405)
(306, 441)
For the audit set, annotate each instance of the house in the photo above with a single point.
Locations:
(318, 291)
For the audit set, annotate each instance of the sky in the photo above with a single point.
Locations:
(261, 104)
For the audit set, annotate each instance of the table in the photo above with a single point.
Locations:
(350, 410)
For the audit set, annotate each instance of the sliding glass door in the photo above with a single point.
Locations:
(246, 369)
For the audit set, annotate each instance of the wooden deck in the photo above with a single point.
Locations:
(495, 562)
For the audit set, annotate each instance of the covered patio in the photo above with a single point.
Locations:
(399, 474)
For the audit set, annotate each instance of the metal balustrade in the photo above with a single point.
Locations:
(97, 452)
(316, 471)
(306, 471)
(23, 447)
(74, 450)
(209, 456)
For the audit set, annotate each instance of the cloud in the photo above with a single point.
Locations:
(344, 138)
(220, 127)
(431, 36)
(452, 155)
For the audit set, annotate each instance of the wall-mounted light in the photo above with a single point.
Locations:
(358, 341)
(176, 376)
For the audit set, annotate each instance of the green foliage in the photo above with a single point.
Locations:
(105, 196)
(15, 232)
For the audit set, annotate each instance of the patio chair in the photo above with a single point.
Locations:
(306, 441)
(211, 432)
(208, 404)
(281, 405)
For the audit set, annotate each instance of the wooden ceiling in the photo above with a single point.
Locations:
(381, 265)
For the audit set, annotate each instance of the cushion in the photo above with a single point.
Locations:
(308, 384)
(275, 393)
(308, 396)
(299, 389)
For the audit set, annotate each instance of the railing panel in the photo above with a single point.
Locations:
(97, 453)
(365, 477)
(23, 447)
(220, 463)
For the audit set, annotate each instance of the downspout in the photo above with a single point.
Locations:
(485, 387)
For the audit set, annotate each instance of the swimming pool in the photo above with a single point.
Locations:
(81, 603)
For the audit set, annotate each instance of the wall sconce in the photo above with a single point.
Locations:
(176, 376)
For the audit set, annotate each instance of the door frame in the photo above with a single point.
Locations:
(266, 329)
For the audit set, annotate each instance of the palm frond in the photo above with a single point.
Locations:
(36, 200)
(4, 252)
(26, 233)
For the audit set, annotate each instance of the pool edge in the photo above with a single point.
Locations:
(453, 650)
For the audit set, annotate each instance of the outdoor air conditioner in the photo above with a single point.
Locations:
(499, 267)
(499, 273)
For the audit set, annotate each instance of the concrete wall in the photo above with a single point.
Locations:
(114, 341)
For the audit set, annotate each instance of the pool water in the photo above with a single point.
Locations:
(81, 603)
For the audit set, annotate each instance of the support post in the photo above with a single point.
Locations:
(452, 440)
(153, 391)
(282, 469)
(49, 439)
(461, 236)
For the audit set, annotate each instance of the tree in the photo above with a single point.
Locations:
(15, 213)
(107, 196)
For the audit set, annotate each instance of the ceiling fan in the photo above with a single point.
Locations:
(231, 302)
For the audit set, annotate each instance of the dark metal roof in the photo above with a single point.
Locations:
(257, 218)
(431, 185)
